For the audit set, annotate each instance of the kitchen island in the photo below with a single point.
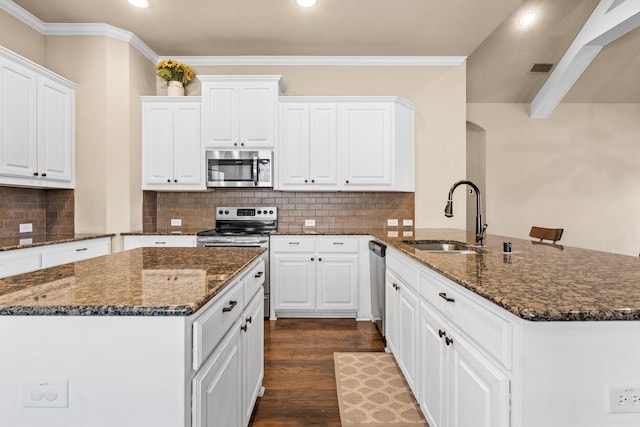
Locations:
(130, 338)
(544, 336)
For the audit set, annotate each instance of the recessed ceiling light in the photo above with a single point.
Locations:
(139, 3)
(306, 3)
(527, 18)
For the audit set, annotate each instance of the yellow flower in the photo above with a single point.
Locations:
(170, 69)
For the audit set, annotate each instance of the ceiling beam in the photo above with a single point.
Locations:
(610, 20)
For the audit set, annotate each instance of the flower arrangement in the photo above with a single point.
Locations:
(171, 70)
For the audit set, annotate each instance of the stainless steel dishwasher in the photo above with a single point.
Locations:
(377, 266)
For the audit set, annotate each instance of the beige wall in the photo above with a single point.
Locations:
(21, 38)
(111, 77)
(439, 93)
(577, 170)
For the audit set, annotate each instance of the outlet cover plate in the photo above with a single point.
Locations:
(176, 222)
(26, 228)
(624, 399)
(45, 392)
(309, 222)
(392, 222)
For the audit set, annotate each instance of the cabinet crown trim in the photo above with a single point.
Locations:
(359, 99)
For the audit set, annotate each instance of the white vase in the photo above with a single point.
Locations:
(175, 88)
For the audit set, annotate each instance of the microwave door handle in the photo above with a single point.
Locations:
(255, 170)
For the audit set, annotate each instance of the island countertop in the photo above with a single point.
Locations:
(33, 240)
(138, 282)
(537, 281)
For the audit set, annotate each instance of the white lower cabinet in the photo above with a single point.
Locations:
(18, 261)
(228, 354)
(450, 348)
(315, 276)
(159, 241)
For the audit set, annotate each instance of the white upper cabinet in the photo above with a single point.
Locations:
(37, 125)
(308, 146)
(345, 144)
(240, 111)
(171, 153)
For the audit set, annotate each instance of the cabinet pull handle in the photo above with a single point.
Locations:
(161, 243)
(441, 333)
(259, 274)
(232, 304)
(81, 249)
(244, 327)
(338, 243)
(44, 174)
(294, 243)
(446, 298)
(36, 174)
(395, 286)
(249, 319)
(448, 340)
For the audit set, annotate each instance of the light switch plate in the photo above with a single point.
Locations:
(407, 233)
(407, 222)
(26, 228)
(309, 222)
(392, 234)
(176, 222)
(392, 222)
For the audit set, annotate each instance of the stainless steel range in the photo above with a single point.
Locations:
(243, 227)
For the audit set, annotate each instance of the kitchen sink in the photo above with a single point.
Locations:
(441, 246)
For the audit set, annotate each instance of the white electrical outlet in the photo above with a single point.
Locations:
(392, 222)
(176, 222)
(45, 393)
(407, 233)
(26, 228)
(392, 234)
(407, 222)
(624, 399)
(309, 222)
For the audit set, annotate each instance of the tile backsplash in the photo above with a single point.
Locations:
(332, 211)
(49, 211)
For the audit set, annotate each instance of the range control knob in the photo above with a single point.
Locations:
(220, 211)
(259, 212)
(226, 212)
(271, 212)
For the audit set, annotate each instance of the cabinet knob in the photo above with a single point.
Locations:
(441, 333)
(306, 180)
(346, 182)
(313, 259)
(249, 319)
(175, 180)
(244, 328)
(235, 144)
(242, 144)
(448, 340)
(395, 286)
(36, 174)
(313, 180)
(168, 180)
(44, 174)
(319, 259)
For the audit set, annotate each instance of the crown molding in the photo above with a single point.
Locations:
(334, 61)
(19, 13)
(104, 30)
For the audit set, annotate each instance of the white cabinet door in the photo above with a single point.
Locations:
(323, 145)
(479, 395)
(296, 281)
(217, 387)
(391, 309)
(408, 310)
(337, 284)
(171, 153)
(293, 149)
(239, 111)
(253, 353)
(366, 139)
(433, 366)
(55, 131)
(18, 128)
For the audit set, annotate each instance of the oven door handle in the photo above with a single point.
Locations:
(255, 170)
(230, 245)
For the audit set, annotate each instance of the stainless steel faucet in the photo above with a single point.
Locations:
(448, 210)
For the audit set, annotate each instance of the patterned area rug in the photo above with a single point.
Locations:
(373, 393)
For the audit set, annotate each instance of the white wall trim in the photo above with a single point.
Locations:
(106, 30)
(19, 13)
(335, 61)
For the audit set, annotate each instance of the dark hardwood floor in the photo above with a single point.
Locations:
(299, 373)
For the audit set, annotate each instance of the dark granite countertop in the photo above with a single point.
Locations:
(538, 282)
(139, 282)
(31, 240)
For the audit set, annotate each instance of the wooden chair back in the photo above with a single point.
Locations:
(542, 233)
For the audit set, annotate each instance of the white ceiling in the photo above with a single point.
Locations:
(500, 53)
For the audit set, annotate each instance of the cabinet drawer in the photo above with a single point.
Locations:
(20, 261)
(75, 251)
(213, 324)
(337, 244)
(293, 244)
(159, 241)
(253, 280)
(437, 292)
(403, 269)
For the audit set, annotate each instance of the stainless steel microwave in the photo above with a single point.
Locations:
(235, 168)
